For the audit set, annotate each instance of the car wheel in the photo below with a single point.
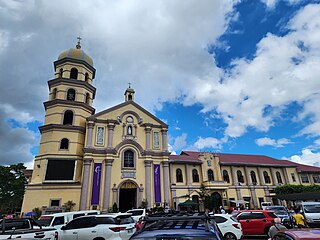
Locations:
(230, 236)
(266, 230)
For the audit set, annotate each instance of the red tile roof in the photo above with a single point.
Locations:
(245, 159)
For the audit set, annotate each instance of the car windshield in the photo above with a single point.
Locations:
(312, 208)
(45, 220)
(136, 212)
(278, 208)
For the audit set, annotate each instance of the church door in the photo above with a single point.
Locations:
(128, 196)
(216, 200)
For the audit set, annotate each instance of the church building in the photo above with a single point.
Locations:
(120, 155)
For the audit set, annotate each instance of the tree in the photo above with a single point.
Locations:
(12, 187)
(204, 197)
(69, 205)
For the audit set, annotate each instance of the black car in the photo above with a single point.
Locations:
(179, 227)
(282, 213)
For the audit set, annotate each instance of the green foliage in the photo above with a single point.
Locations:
(69, 205)
(37, 211)
(288, 189)
(115, 208)
(144, 203)
(12, 187)
(204, 197)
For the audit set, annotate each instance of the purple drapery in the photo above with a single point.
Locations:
(157, 183)
(96, 184)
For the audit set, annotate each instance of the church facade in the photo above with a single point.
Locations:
(120, 155)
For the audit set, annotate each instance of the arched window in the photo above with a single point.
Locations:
(129, 97)
(210, 175)
(179, 176)
(195, 175)
(128, 159)
(71, 94)
(54, 94)
(278, 175)
(60, 72)
(266, 177)
(240, 177)
(87, 98)
(253, 178)
(226, 176)
(68, 118)
(64, 144)
(86, 77)
(74, 73)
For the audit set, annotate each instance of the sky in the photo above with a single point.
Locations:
(227, 76)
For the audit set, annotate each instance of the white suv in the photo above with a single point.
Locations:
(117, 226)
(229, 226)
(137, 213)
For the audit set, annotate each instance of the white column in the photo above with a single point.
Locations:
(90, 125)
(148, 181)
(85, 183)
(107, 184)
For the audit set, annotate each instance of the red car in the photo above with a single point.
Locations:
(256, 222)
(298, 234)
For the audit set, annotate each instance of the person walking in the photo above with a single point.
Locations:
(276, 228)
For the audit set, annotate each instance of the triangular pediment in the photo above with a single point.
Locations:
(129, 107)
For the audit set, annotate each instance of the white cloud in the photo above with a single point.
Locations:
(278, 143)
(283, 70)
(208, 142)
(272, 3)
(307, 157)
(180, 142)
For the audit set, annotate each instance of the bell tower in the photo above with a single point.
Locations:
(60, 157)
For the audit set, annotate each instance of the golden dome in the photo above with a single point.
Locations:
(76, 53)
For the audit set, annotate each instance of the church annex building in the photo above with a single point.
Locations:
(120, 155)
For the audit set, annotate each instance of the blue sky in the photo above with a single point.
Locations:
(227, 76)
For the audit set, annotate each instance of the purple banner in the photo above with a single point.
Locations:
(96, 184)
(157, 184)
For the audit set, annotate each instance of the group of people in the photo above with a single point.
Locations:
(299, 222)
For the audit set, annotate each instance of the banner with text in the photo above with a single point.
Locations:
(157, 183)
(95, 197)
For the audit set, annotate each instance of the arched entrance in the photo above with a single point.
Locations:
(216, 200)
(128, 196)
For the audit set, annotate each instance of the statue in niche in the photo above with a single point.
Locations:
(129, 130)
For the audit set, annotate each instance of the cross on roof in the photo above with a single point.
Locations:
(78, 45)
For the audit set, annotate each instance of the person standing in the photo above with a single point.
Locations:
(276, 227)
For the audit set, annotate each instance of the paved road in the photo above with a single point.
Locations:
(255, 238)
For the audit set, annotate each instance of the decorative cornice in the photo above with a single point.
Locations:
(108, 162)
(99, 151)
(63, 127)
(64, 60)
(79, 83)
(68, 103)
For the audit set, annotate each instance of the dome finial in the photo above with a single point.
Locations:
(78, 46)
(129, 83)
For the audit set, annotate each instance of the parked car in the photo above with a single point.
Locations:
(24, 228)
(178, 226)
(137, 213)
(265, 204)
(311, 212)
(57, 220)
(298, 234)
(282, 213)
(256, 222)
(117, 226)
(229, 226)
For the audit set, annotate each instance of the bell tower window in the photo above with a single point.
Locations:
(60, 73)
(87, 98)
(71, 95)
(68, 118)
(54, 94)
(64, 144)
(86, 77)
(74, 73)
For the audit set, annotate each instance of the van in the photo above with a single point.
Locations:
(311, 212)
(265, 204)
(57, 220)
